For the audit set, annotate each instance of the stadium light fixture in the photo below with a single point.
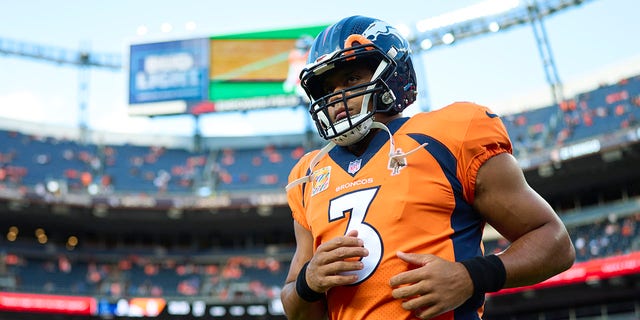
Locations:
(12, 235)
(494, 26)
(448, 38)
(72, 242)
(190, 26)
(482, 9)
(41, 236)
(142, 30)
(405, 31)
(166, 27)
(43, 239)
(426, 44)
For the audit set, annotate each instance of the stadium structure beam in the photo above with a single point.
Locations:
(546, 55)
(82, 59)
(62, 56)
(436, 32)
(492, 16)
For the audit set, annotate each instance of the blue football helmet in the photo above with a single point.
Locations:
(359, 39)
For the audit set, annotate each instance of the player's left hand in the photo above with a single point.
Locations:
(434, 287)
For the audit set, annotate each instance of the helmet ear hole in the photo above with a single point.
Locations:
(387, 98)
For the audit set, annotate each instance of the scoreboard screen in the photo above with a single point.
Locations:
(234, 72)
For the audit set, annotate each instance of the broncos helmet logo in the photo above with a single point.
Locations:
(378, 28)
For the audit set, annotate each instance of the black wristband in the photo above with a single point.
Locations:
(303, 289)
(487, 273)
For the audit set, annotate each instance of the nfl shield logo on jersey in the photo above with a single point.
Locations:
(354, 166)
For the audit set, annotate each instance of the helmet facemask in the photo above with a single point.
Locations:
(376, 95)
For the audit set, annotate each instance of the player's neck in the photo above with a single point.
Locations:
(361, 146)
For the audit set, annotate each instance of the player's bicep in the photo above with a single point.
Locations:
(506, 201)
(304, 251)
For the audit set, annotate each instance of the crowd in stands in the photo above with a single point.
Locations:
(606, 109)
(605, 237)
(245, 169)
(28, 161)
(36, 162)
(235, 277)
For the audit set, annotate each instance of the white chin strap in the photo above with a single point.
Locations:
(355, 134)
(397, 158)
(312, 164)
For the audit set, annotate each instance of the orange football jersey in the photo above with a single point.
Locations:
(424, 207)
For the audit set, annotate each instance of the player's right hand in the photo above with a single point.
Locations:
(332, 259)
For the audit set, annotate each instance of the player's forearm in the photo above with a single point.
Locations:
(298, 309)
(538, 255)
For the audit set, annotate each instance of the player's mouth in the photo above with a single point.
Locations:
(341, 114)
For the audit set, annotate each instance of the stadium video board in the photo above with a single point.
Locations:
(233, 72)
(175, 70)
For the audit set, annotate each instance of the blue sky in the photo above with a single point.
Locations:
(502, 70)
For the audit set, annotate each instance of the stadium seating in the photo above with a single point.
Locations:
(256, 169)
(598, 112)
(32, 162)
(604, 238)
(152, 169)
(234, 277)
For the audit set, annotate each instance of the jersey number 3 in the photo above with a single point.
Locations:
(357, 204)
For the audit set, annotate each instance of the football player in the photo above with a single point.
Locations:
(389, 216)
